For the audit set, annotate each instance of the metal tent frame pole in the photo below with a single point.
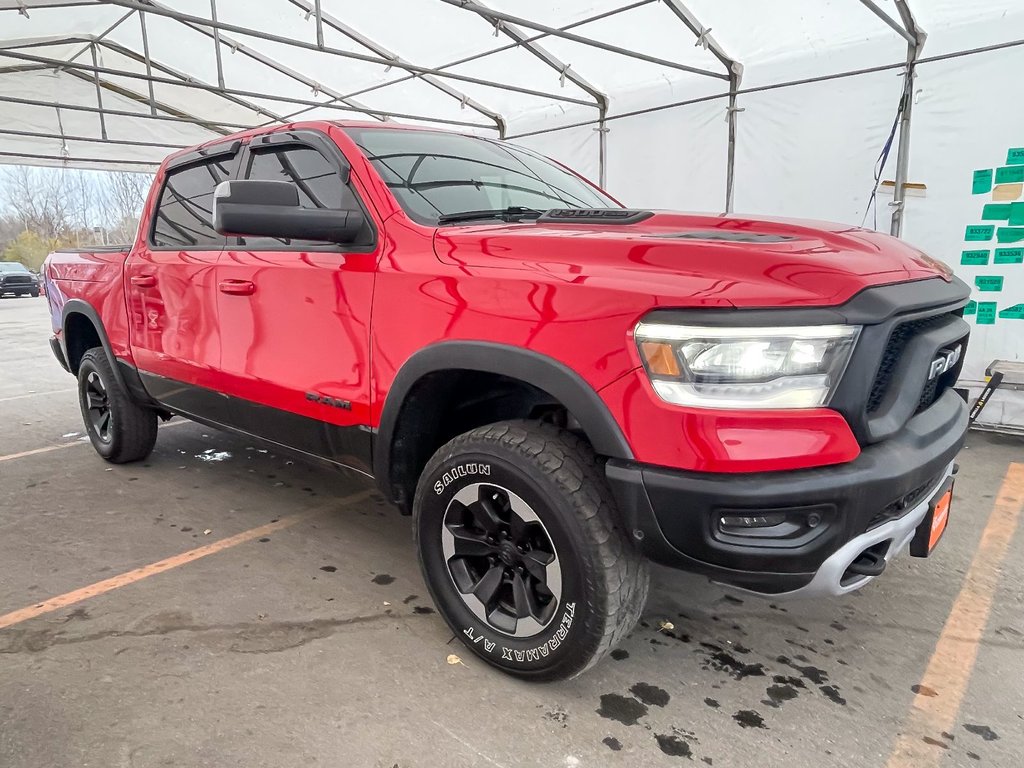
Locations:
(908, 29)
(181, 76)
(207, 26)
(899, 196)
(499, 49)
(565, 72)
(323, 18)
(734, 70)
(199, 86)
(503, 18)
(215, 126)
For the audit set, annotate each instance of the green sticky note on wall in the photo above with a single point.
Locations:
(1015, 156)
(982, 182)
(989, 282)
(996, 212)
(986, 313)
(1016, 213)
(1009, 256)
(979, 232)
(1010, 234)
(974, 258)
(1016, 312)
(1010, 174)
(971, 308)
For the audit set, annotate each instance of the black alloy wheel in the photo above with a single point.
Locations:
(97, 403)
(501, 559)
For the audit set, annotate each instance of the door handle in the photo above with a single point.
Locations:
(143, 281)
(237, 287)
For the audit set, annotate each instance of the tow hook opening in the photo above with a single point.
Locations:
(870, 562)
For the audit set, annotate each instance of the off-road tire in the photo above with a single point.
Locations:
(603, 578)
(131, 431)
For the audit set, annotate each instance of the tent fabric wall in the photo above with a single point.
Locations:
(965, 122)
(821, 80)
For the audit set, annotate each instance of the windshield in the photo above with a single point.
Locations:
(12, 266)
(434, 174)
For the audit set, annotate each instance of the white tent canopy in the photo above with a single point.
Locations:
(781, 108)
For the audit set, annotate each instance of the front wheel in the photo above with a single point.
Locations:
(522, 551)
(120, 430)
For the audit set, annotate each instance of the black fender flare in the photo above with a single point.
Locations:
(80, 307)
(127, 376)
(541, 371)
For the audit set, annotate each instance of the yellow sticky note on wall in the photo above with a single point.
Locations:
(1007, 191)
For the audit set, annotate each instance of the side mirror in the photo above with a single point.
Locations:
(271, 209)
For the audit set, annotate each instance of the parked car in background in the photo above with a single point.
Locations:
(557, 388)
(17, 280)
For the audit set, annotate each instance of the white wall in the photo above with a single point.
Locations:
(968, 113)
(809, 151)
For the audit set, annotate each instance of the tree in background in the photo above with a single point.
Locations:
(30, 249)
(42, 209)
(122, 197)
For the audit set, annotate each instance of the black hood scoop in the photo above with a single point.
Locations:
(725, 235)
(594, 216)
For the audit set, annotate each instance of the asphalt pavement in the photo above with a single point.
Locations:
(221, 604)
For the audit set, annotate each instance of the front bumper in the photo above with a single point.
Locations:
(19, 289)
(830, 515)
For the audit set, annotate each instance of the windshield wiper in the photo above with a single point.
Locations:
(512, 213)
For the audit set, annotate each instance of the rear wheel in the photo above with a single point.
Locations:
(120, 430)
(521, 549)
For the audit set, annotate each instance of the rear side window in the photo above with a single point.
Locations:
(316, 179)
(184, 213)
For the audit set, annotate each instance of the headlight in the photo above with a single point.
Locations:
(749, 368)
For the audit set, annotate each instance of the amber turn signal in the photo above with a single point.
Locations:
(661, 360)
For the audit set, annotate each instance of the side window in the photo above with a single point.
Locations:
(313, 175)
(184, 213)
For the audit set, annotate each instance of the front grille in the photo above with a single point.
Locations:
(902, 505)
(17, 280)
(929, 395)
(899, 338)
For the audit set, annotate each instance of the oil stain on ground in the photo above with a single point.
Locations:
(623, 709)
(612, 743)
(832, 694)
(651, 695)
(777, 694)
(722, 661)
(982, 730)
(815, 675)
(383, 579)
(748, 718)
(673, 745)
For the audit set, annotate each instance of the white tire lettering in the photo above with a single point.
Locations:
(463, 470)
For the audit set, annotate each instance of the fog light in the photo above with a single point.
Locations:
(752, 521)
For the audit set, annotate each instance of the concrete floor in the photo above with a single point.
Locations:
(316, 645)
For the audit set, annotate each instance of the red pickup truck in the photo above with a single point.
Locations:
(557, 388)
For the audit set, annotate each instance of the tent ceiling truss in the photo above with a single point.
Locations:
(522, 32)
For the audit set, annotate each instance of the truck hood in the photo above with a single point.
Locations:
(696, 259)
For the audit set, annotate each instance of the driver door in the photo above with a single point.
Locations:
(295, 314)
